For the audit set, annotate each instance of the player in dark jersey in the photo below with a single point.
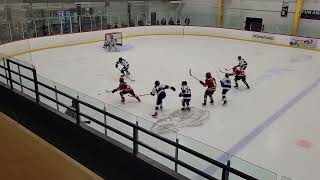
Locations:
(159, 90)
(186, 96)
(124, 88)
(239, 75)
(211, 85)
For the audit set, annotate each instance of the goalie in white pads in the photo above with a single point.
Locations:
(186, 96)
(111, 44)
(125, 66)
(226, 86)
(159, 90)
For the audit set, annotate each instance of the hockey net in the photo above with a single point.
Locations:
(115, 35)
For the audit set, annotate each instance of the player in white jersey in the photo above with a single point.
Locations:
(125, 66)
(111, 43)
(242, 63)
(186, 96)
(159, 90)
(226, 86)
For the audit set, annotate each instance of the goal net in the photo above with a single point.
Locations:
(115, 35)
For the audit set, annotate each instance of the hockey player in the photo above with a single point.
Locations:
(242, 63)
(239, 75)
(124, 88)
(226, 86)
(211, 85)
(125, 66)
(186, 96)
(159, 90)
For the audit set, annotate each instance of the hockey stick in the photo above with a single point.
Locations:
(132, 80)
(145, 94)
(193, 75)
(218, 75)
(107, 91)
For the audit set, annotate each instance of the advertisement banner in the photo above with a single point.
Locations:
(263, 37)
(302, 42)
(310, 14)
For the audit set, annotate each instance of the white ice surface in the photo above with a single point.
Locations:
(276, 75)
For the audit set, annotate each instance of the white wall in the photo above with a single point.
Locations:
(236, 12)
(309, 27)
(78, 38)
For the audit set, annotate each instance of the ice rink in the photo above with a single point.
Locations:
(274, 124)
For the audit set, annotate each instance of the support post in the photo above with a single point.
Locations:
(9, 73)
(105, 121)
(176, 156)
(36, 87)
(220, 15)
(297, 17)
(225, 172)
(135, 139)
(78, 111)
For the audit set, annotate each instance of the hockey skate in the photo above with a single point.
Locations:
(188, 109)
(224, 102)
(204, 104)
(236, 86)
(183, 109)
(122, 101)
(155, 115)
(212, 102)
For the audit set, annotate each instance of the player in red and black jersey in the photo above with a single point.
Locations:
(239, 74)
(211, 85)
(124, 88)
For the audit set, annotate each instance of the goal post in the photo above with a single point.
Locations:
(114, 35)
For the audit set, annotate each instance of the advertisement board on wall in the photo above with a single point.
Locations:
(263, 37)
(302, 42)
(310, 14)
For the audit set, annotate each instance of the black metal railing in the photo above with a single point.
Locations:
(8, 72)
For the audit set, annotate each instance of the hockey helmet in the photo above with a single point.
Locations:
(120, 59)
(239, 58)
(208, 75)
(156, 83)
(121, 80)
(227, 75)
(234, 68)
(183, 83)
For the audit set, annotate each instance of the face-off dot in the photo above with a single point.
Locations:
(304, 144)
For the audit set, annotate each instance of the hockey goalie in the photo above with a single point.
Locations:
(111, 44)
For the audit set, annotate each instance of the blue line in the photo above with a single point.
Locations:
(264, 125)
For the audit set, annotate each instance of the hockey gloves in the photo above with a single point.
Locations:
(113, 91)
(172, 88)
(201, 82)
(180, 95)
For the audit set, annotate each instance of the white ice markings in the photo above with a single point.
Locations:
(264, 125)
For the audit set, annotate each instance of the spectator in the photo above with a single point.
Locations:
(72, 113)
(178, 22)
(140, 23)
(171, 22)
(149, 23)
(187, 21)
(131, 23)
(163, 21)
(115, 26)
(158, 23)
